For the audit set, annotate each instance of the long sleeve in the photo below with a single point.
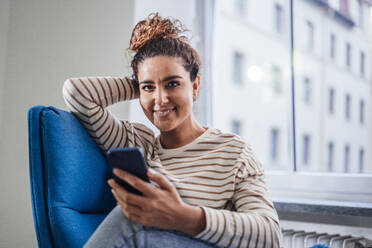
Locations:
(255, 221)
(88, 97)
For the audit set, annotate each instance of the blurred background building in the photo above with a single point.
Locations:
(332, 80)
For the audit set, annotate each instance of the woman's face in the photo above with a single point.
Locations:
(166, 92)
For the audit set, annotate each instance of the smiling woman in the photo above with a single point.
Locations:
(209, 188)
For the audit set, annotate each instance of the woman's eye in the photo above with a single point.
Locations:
(173, 84)
(147, 87)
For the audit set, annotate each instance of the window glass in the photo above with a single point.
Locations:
(309, 35)
(330, 156)
(361, 70)
(240, 7)
(236, 127)
(329, 121)
(332, 79)
(261, 63)
(274, 144)
(361, 160)
(238, 67)
(347, 107)
(332, 46)
(331, 99)
(348, 55)
(278, 18)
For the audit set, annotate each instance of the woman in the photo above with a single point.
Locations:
(210, 190)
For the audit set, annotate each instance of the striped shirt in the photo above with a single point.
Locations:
(217, 171)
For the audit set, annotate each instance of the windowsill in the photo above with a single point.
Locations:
(325, 211)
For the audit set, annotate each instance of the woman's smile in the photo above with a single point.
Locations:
(164, 114)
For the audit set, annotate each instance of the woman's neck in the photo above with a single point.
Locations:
(181, 135)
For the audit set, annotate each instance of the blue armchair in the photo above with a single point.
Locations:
(68, 173)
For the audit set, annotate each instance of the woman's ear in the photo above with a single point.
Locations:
(195, 87)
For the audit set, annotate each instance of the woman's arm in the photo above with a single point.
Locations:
(255, 222)
(88, 97)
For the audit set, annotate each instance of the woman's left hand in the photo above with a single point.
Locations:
(159, 207)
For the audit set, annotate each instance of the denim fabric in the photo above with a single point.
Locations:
(116, 231)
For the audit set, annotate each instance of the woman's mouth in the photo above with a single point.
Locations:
(164, 113)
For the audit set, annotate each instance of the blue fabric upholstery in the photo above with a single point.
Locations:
(68, 175)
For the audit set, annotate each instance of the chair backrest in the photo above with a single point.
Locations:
(68, 173)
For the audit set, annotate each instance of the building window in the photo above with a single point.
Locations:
(274, 144)
(330, 156)
(278, 18)
(277, 79)
(309, 35)
(346, 158)
(361, 112)
(236, 127)
(332, 48)
(238, 67)
(347, 106)
(240, 7)
(360, 13)
(331, 101)
(362, 61)
(361, 160)
(348, 55)
(306, 149)
(307, 90)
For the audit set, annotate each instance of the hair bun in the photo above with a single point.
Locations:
(155, 27)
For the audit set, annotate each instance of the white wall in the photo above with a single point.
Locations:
(48, 41)
(4, 20)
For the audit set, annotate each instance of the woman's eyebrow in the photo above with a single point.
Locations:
(164, 79)
(171, 77)
(147, 82)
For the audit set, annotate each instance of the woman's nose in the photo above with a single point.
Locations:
(161, 97)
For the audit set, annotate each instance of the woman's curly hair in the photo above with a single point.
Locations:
(162, 36)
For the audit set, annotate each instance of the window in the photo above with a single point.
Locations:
(361, 112)
(347, 106)
(332, 46)
(309, 35)
(361, 160)
(360, 13)
(346, 158)
(236, 127)
(277, 79)
(240, 7)
(238, 67)
(331, 100)
(362, 59)
(307, 90)
(278, 18)
(306, 150)
(285, 148)
(274, 144)
(348, 55)
(330, 156)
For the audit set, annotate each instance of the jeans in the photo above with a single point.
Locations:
(117, 231)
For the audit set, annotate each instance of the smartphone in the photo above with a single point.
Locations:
(129, 159)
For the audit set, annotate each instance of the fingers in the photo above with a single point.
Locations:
(160, 180)
(126, 196)
(131, 211)
(146, 188)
